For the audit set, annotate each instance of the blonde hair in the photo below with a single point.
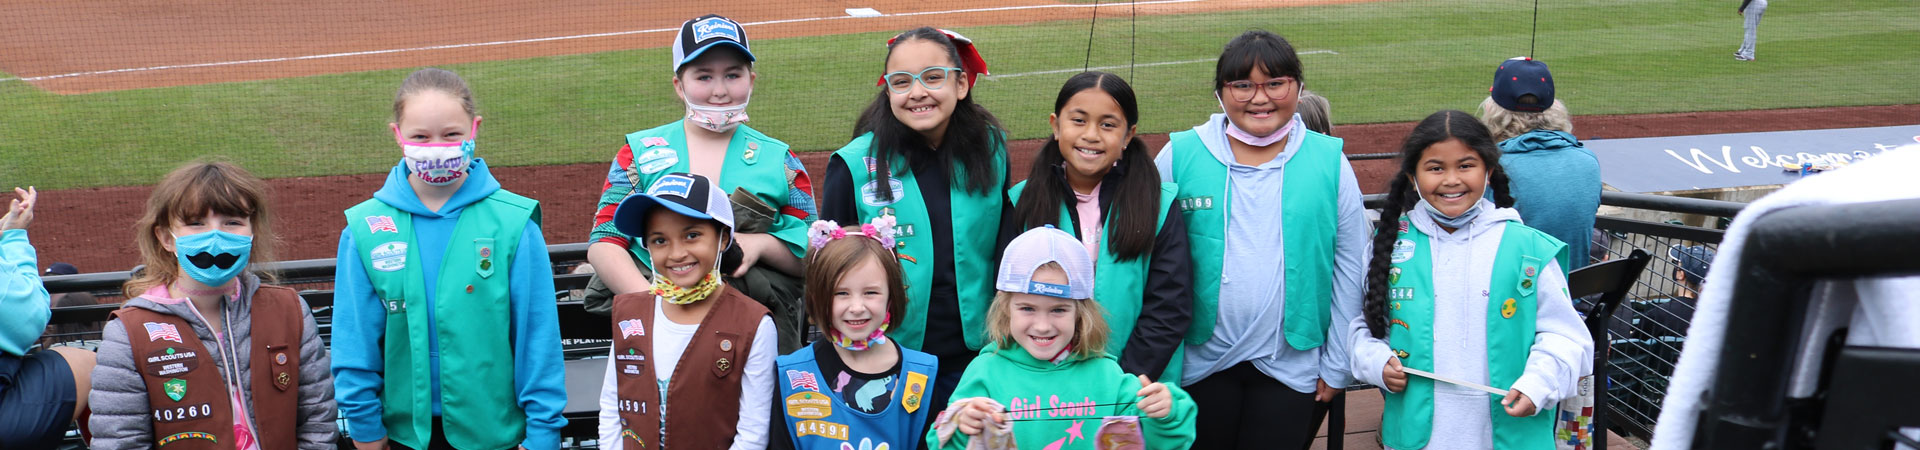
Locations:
(432, 79)
(192, 191)
(1315, 112)
(1090, 332)
(1506, 124)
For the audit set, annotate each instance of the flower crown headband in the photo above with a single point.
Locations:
(881, 230)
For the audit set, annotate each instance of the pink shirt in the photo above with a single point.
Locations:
(1088, 208)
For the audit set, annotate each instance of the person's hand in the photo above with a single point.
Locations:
(973, 418)
(752, 245)
(1517, 404)
(1395, 378)
(1155, 400)
(1324, 393)
(20, 211)
(375, 445)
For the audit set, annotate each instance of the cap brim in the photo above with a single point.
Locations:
(695, 54)
(631, 216)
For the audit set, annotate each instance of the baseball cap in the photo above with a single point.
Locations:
(704, 33)
(683, 193)
(1520, 77)
(1036, 248)
(61, 268)
(1692, 259)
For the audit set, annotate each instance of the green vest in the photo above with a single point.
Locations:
(1119, 285)
(1408, 418)
(742, 170)
(1308, 211)
(974, 219)
(471, 315)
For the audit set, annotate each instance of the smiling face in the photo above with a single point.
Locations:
(1040, 324)
(434, 116)
(1451, 176)
(925, 110)
(683, 248)
(1092, 131)
(860, 299)
(719, 77)
(1265, 112)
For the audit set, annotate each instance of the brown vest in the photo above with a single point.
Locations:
(188, 394)
(705, 388)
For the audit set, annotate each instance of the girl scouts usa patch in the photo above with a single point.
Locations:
(656, 160)
(389, 257)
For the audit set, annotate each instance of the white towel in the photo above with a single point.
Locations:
(1887, 176)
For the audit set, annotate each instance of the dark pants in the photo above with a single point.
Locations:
(36, 400)
(1241, 408)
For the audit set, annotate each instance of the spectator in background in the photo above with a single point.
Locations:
(1315, 113)
(1751, 10)
(85, 335)
(1555, 180)
(41, 392)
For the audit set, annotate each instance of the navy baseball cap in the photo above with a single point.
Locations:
(61, 268)
(683, 193)
(1692, 259)
(704, 33)
(1518, 78)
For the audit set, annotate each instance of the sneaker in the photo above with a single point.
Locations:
(1741, 58)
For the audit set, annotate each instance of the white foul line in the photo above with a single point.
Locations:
(561, 38)
(1163, 63)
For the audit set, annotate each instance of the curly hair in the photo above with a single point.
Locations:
(1506, 124)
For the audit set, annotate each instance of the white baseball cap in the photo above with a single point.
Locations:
(1036, 248)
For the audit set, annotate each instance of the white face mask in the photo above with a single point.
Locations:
(718, 119)
(439, 163)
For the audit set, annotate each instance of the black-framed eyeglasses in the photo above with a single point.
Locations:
(932, 78)
(1242, 90)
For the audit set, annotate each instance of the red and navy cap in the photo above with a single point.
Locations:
(704, 33)
(1519, 78)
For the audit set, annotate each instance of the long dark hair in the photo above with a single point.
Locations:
(1439, 127)
(972, 132)
(1135, 179)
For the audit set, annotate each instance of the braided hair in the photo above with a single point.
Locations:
(1436, 128)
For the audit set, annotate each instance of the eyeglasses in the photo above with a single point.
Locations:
(1242, 91)
(933, 78)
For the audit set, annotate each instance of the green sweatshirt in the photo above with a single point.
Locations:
(1065, 395)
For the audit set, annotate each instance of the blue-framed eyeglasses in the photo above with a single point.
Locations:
(933, 78)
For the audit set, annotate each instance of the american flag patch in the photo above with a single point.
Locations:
(798, 379)
(378, 224)
(653, 141)
(158, 331)
(631, 328)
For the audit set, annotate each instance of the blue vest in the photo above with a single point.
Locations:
(816, 417)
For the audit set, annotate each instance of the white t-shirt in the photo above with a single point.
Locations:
(670, 341)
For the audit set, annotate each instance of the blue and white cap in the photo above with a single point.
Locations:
(683, 193)
(704, 33)
(1036, 248)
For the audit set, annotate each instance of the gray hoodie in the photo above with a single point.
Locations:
(123, 419)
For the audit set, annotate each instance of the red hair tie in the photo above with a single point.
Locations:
(970, 60)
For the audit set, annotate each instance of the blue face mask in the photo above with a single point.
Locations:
(214, 257)
(1454, 222)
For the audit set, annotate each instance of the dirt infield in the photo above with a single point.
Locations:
(79, 46)
(92, 228)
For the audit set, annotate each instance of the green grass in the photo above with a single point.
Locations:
(1396, 61)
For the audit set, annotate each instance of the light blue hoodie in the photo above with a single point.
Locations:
(23, 300)
(360, 320)
(1556, 187)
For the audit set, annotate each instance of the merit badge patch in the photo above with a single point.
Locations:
(1393, 276)
(162, 332)
(870, 194)
(632, 327)
(389, 257)
(378, 224)
(916, 384)
(802, 380)
(656, 160)
(1402, 251)
(176, 388)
